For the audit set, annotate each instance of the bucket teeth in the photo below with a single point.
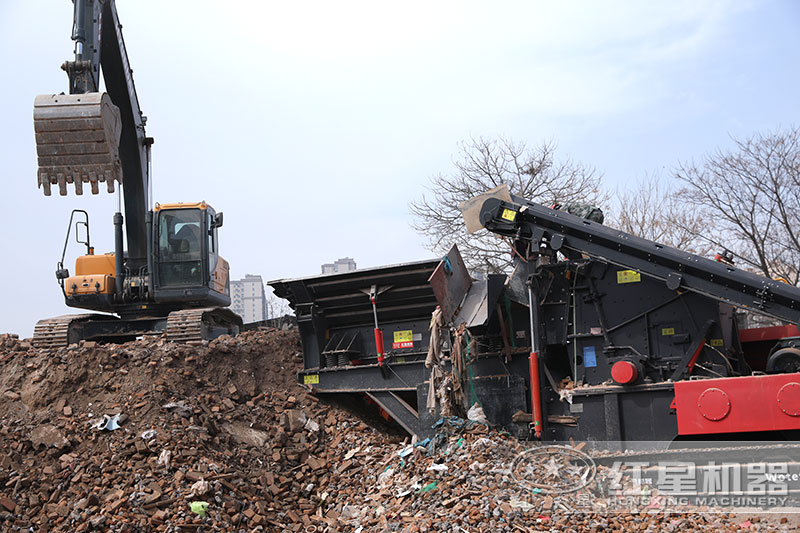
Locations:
(77, 141)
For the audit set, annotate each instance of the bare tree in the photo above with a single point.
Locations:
(653, 210)
(483, 164)
(751, 197)
(277, 307)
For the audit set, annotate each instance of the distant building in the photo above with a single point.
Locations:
(345, 264)
(248, 299)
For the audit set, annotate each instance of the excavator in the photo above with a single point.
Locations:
(171, 278)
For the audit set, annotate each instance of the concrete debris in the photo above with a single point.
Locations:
(221, 437)
(49, 437)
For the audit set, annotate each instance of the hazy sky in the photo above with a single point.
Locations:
(312, 125)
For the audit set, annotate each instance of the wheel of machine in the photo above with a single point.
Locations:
(784, 361)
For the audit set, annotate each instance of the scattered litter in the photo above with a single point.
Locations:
(149, 434)
(437, 467)
(427, 488)
(199, 508)
(179, 407)
(405, 452)
(482, 442)
(566, 394)
(198, 488)
(476, 414)
(311, 426)
(520, 504)
(164, 459)
(107, 423)
(351, 453)
(349, 512)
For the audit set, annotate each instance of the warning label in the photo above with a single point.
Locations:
(403, 339)
(628, 276)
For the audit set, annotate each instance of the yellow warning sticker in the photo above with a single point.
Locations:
(509, 214)
(668, 331)
(311, 379)
(403, 336)
(403, 339)
(628, 276)
(716, 342)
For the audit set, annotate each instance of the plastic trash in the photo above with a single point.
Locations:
(164, 459)
(476, 414)
(481, 443)
(437, 467)
(198, 488)
(385, 478)
(350, 512)
(199, 508)
(178, 407)
(107, 423)
(405, 452)
(423, 443)
(351, 453)
(521, 504)
(149, 434)
(427, 488)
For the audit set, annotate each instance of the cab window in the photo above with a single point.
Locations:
(180, 235)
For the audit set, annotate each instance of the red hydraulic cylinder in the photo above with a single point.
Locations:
(379, 345)
(536, 388)
(536, 395)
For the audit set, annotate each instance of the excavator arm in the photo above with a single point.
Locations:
(92, 137)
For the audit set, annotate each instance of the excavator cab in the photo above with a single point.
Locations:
(186, 258)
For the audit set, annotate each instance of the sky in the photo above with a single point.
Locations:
(312, 125)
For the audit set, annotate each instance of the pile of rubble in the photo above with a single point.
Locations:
(155, 436)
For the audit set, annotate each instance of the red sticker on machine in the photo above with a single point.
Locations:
(403, 339)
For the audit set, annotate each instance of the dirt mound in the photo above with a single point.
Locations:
(156, 436)
(228, 414)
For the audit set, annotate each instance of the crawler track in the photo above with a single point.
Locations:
(202, 324)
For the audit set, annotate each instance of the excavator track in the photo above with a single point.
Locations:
(55, 332)
(202, 324)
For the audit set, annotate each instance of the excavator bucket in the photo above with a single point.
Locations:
(77, 141)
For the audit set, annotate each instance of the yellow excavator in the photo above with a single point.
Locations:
(171, 278)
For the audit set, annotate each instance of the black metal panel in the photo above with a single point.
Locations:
(614, 414)
(334, 304)
(595, 314)
(501, 397)
(368, 378)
